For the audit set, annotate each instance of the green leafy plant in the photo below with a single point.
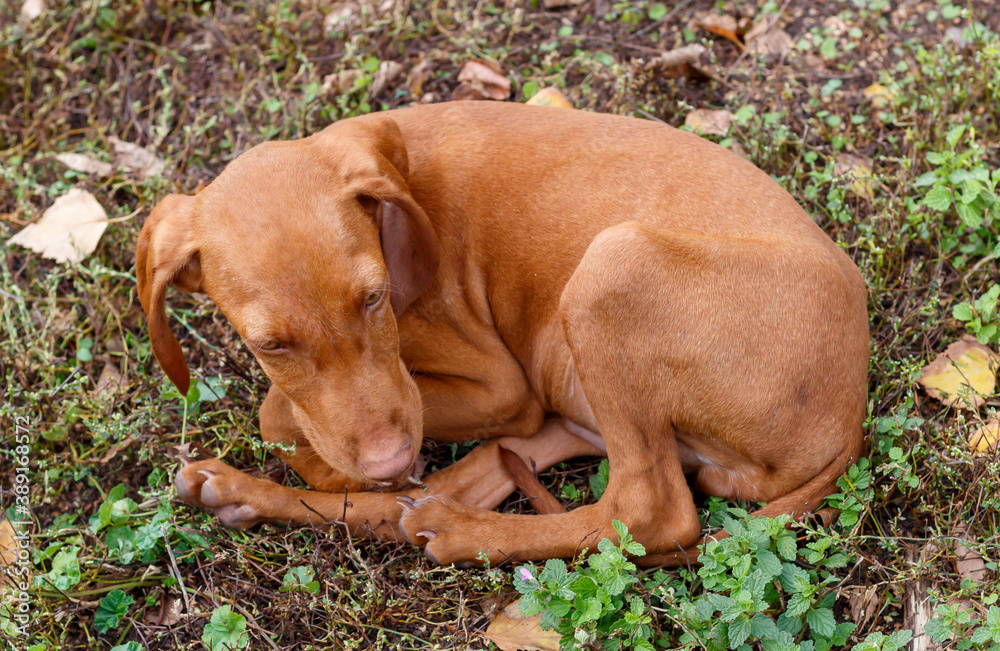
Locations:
(111, 609)
(960, 183)
(599, 480)
(226, 631)
(980, 316)
(855, 490)
(957, 624)
(300, 578)
(594, 603)
(132, 538)
(890, 441)
(755, 592)
(65, 570)
(882, 642)
(757, 588)
(128, 646)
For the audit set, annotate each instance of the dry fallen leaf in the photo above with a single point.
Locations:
(721, 24)
(133, 158)
(385, 75)
(878, 95)
(968, 564)
(765, 38)
(964, 373)
(512, 632)
(549, 97)
(8, 547)
(860, 172)
(986, 439)
(32, 9)
(712, 123)
(69, 230)
(85, 164)
(340, 18)
(863, 601)
(169, 613)
(417, 77)
(110, 379)
(678, 56)
(340, 82)
(482, 79)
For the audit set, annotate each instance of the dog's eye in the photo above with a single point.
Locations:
(270, 345)
(373, 299)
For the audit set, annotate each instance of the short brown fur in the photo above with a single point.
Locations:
(558, 282)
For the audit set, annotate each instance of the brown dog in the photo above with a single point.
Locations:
(465, 271)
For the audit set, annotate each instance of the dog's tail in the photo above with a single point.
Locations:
(804, 499)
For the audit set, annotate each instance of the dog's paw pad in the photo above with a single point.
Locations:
(236, 517)
(209, 496)
(184, 490)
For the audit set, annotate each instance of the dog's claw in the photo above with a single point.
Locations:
(428, 534)
(208, 474)
(406, 502)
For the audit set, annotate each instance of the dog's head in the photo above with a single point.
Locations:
(310, 248)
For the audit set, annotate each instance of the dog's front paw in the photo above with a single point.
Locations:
(221, 489)
(448, 531)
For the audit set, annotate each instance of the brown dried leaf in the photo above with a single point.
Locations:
(484, 79)
(705, 122)
(723, 25)
(85, 164)
(963, 376)
(677, 57)
(133, 158)
(765, 38)
(863, 602)
(110, 379)
(968, 564)
(68, 231)
(549, 97)
(512, 632)
(385, 75)
(860, 172)
(116, 448)
(8, 547)
(417, 77)
(340, 82)
(986, 439)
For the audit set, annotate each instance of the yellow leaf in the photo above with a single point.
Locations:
(963, 376)
(512, 632)
(549, 97)
(878, 95)
(860, 173)
(8, 548)
(986, 439)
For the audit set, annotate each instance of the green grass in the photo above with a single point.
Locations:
(200, 82)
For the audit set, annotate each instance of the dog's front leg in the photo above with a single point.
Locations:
(479, 479)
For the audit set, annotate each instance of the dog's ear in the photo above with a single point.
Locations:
(166, 254)
(409, 244)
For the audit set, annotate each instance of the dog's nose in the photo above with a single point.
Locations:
(378, 467)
